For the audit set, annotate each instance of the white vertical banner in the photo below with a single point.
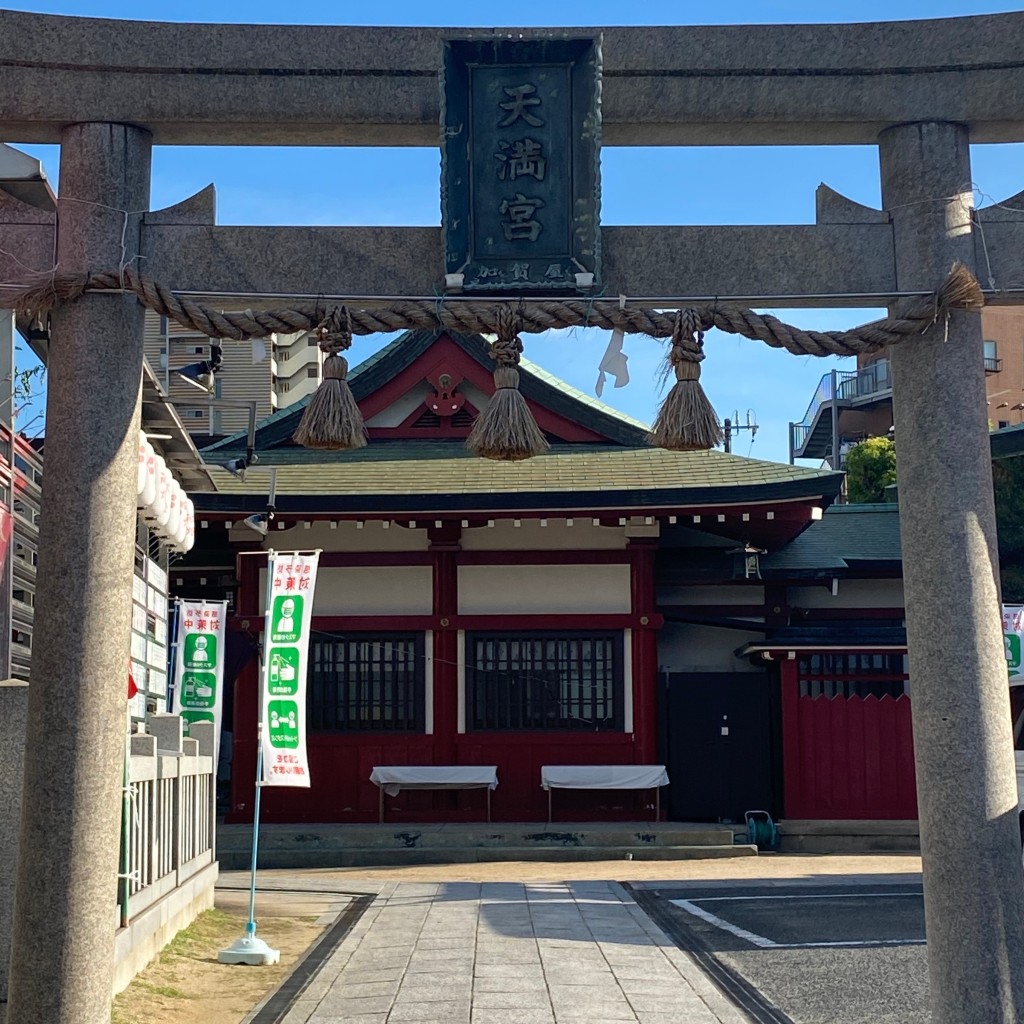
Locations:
(199, 664)
(287, 621)
(1013, 640)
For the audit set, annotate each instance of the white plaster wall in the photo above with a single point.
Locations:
(345, 536)
(686, 648)
(401, 409)
(372, 590)
(476, 398)
(852, 594)
(740, 594)
(504, 535)
(543, 589)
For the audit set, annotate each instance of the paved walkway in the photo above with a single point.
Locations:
(509, 953)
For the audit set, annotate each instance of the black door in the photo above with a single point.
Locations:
(718, 732)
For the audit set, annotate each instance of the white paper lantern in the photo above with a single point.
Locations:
(158, 506)
(190, 526)
(163, 512)
(141, 484)
(148, 493)
(181, 530)
(175, 495)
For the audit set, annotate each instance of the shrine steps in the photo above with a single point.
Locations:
(332, 845)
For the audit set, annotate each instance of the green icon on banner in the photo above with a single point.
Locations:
(198, 690)
(1012, 643)
(283, 671)
(286, 622)
(284, 723)
(200, 650)
(190, 717)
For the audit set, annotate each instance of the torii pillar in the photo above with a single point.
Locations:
(62, 970)
(967, 794)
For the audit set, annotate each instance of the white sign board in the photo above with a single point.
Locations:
(199, 663)
(292, 581)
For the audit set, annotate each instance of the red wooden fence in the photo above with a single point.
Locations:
(846, 757)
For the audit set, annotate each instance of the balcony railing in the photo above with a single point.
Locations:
(873, 379)
(993, 365)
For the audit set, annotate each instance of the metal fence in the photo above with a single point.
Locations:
(168, 833)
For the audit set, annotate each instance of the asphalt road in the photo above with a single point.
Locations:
(848, 953)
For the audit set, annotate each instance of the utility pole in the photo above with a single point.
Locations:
(730, 424)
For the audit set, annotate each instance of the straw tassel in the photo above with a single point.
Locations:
(332, 418)
(686, 421)
(506, 429)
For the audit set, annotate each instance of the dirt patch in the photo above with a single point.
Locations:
(186, 984)
(806, 866)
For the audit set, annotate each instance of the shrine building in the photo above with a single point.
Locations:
(606, 603)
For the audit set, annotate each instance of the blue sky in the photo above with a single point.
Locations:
(640, 186)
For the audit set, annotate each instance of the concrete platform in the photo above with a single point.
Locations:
(839, 837)
(332, 845)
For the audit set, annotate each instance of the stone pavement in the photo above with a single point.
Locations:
(509, 953)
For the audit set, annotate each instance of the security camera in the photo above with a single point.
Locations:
(260, 522)
(237, 467)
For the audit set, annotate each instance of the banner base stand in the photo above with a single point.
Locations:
(249, 950)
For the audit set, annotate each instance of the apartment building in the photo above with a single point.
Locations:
(274, 373)
(851, 405)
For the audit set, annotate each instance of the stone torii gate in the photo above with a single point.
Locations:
(921, 91)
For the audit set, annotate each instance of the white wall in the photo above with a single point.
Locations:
(402, 408)
(346, 536)
(543, 589)
(504, 535)
(698, 596)
(372, 590)
(686, 648)
(852, 594)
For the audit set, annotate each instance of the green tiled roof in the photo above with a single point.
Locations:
(525, 366)
(844, 535)
(410, 470)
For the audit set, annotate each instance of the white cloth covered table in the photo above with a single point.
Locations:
(391, 779)
(605, 776)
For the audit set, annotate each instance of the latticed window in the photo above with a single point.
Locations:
(544, 681)
(852, 675)
(366, 682)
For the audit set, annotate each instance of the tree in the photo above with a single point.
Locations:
(1008, 486)
(870, 468)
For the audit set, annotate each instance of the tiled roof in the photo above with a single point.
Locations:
(845, 534)
(842, 635)
(456, 478)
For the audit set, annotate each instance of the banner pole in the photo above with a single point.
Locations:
(172, 654)
(249, 949)
(250, 925)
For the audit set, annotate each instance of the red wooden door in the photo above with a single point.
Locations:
(848, 749)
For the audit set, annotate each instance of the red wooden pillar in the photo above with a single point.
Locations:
(644, 649)
(444, 546)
